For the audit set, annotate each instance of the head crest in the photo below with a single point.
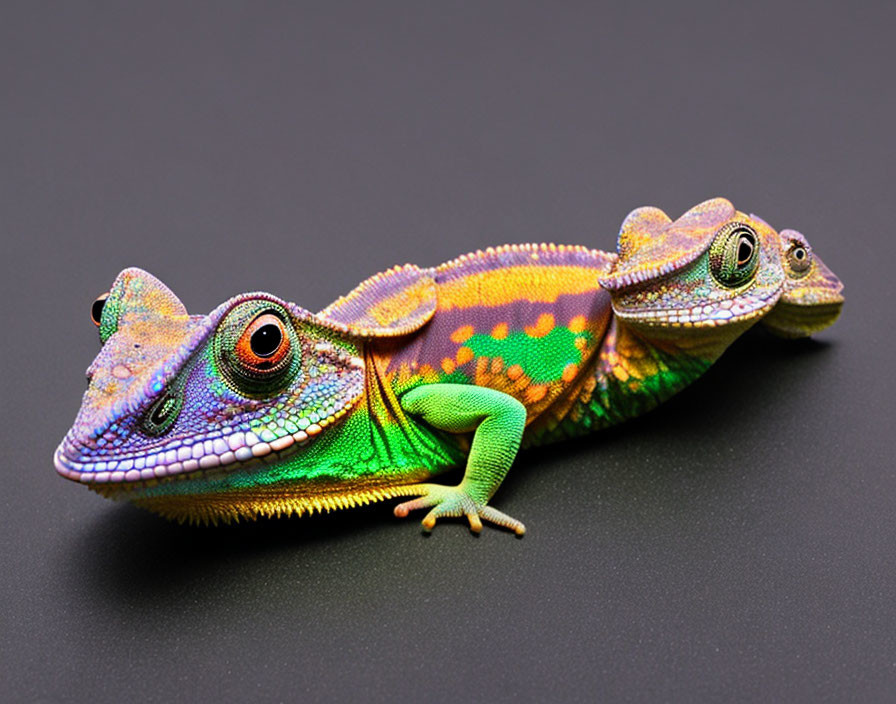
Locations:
(147, 335)
(651, 245)
(139, 297)
(396, 302)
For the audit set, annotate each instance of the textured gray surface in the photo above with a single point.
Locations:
(735, 545)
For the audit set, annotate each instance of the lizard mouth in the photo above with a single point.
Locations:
(705, 315)
(223, 453)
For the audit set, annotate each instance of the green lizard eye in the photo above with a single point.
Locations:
(734, 255)
(161, 415)
(799, 260)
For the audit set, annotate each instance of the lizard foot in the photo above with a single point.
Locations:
(454, 501)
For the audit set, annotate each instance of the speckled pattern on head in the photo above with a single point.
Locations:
(263, 408)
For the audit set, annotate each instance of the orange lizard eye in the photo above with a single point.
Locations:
(264, 344)
(96, 310)
(256, 349)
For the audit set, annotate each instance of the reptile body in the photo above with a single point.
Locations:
(263, 408)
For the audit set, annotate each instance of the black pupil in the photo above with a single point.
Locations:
(266, 340)
(96, 310)
(744, 251)
(799, 253)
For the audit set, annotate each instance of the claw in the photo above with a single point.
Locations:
(475, 523)
(453, 502)
(429, 522)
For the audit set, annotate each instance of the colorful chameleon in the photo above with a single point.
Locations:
(263, 408)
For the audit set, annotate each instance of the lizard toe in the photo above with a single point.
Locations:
(455, 502)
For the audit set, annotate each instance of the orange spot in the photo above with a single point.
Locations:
(581, 343)
(464, 355)
(448, 365)
(497, 365)
(499, 332)
(521, 384)
(462, 334)
(542, 327)
(620, 373)
(514, 372)
(578, 323)
(569, 372)
(535, 393)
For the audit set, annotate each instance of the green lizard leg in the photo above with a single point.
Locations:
(497, 421)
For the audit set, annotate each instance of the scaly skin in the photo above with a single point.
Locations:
(263, 408)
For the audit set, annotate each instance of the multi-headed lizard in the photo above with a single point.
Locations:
(263, 408)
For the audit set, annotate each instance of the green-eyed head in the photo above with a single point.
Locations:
(712, 267)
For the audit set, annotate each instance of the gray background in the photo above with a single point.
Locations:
(737, 544)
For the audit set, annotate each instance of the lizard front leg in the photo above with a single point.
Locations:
(497, 421)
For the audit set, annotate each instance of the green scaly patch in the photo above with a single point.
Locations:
(542, 359)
